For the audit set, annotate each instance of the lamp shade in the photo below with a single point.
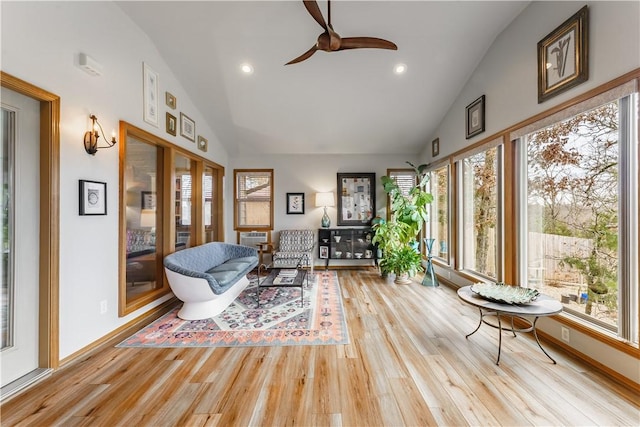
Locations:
(325, 199)
(148, 218)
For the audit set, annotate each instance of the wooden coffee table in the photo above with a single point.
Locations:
(543, 306)
(298, 281)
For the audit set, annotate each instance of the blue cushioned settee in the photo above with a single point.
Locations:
(209, 277)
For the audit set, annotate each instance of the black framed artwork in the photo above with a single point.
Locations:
(148, 200)
(93, 197)
(356, 198)
(435, 147)
(295, 203)
(563, 56)
(475, 118)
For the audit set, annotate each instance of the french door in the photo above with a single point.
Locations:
(19, 235)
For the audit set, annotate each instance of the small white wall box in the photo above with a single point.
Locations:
(90, 65)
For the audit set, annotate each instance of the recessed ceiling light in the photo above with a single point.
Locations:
(400, 69)
(246, 68)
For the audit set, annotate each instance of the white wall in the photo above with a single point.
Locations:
(40, 44)
(309, 175)
(507, 75)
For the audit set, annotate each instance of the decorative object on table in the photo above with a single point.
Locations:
(150, 95)
(170, 100)
(325, 200)
(93, 197)
(356, 198)
(187, 127)
(203, 143)
(171, 124)
(91, 137)
(506, 294)
(324, 252)
(563, 56)
(330, 41)
(295, 203)
(474, 123)
(148, 200)
(435, 147)
(280, 322)
(430, 278)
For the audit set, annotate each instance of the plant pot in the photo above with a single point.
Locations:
(402, 279)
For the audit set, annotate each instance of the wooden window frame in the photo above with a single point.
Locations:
(263, 227)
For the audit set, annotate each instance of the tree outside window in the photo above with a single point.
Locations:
(573, 212)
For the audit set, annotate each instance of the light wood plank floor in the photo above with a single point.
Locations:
(408, 363)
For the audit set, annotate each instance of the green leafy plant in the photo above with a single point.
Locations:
(403, 259)
(411, 208)
(397, 237)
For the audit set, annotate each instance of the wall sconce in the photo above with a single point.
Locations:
(91, 137)
(324, 200)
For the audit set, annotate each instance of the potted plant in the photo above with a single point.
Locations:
(410, 208)
(388, 235)
(404, 261)
(397, 237)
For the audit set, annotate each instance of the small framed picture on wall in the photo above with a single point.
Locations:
(295, 203)
(93, 197)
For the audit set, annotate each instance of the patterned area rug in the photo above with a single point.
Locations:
(280, 320)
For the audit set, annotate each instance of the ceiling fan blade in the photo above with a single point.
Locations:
(314, 10)
(304, 56)
(366, 42)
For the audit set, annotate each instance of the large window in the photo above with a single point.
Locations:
(253, 199)
(438, 227)
(480, 234)
(581, 206)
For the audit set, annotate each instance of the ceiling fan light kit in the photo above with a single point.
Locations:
(330, 41)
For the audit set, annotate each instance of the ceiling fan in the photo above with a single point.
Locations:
(330, 41)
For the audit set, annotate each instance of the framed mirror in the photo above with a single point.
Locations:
(356, 198)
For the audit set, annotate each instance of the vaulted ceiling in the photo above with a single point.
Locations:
(343, 102)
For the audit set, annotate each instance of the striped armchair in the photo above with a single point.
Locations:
(294, 247)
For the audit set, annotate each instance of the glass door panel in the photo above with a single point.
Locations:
(184, 215)
(143, 217)
(209, 197)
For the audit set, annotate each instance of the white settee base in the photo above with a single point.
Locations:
(199, 301)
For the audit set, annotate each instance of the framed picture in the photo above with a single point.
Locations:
(563, 56)
(324, 252)
(435, 147)
(150, 95)
(170, 100)
(187, 127)
(295, 203)
(93, 197)
(356, 198)
(148, 200)
(203, 143)
(475, 118)
(172, 124)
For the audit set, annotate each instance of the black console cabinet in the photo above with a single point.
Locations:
(352, 244)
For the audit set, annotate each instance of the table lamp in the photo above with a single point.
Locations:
(324, 200)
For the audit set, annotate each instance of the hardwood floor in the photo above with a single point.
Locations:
(408, 363)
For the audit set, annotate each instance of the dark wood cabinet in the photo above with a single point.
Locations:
(352, 244)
